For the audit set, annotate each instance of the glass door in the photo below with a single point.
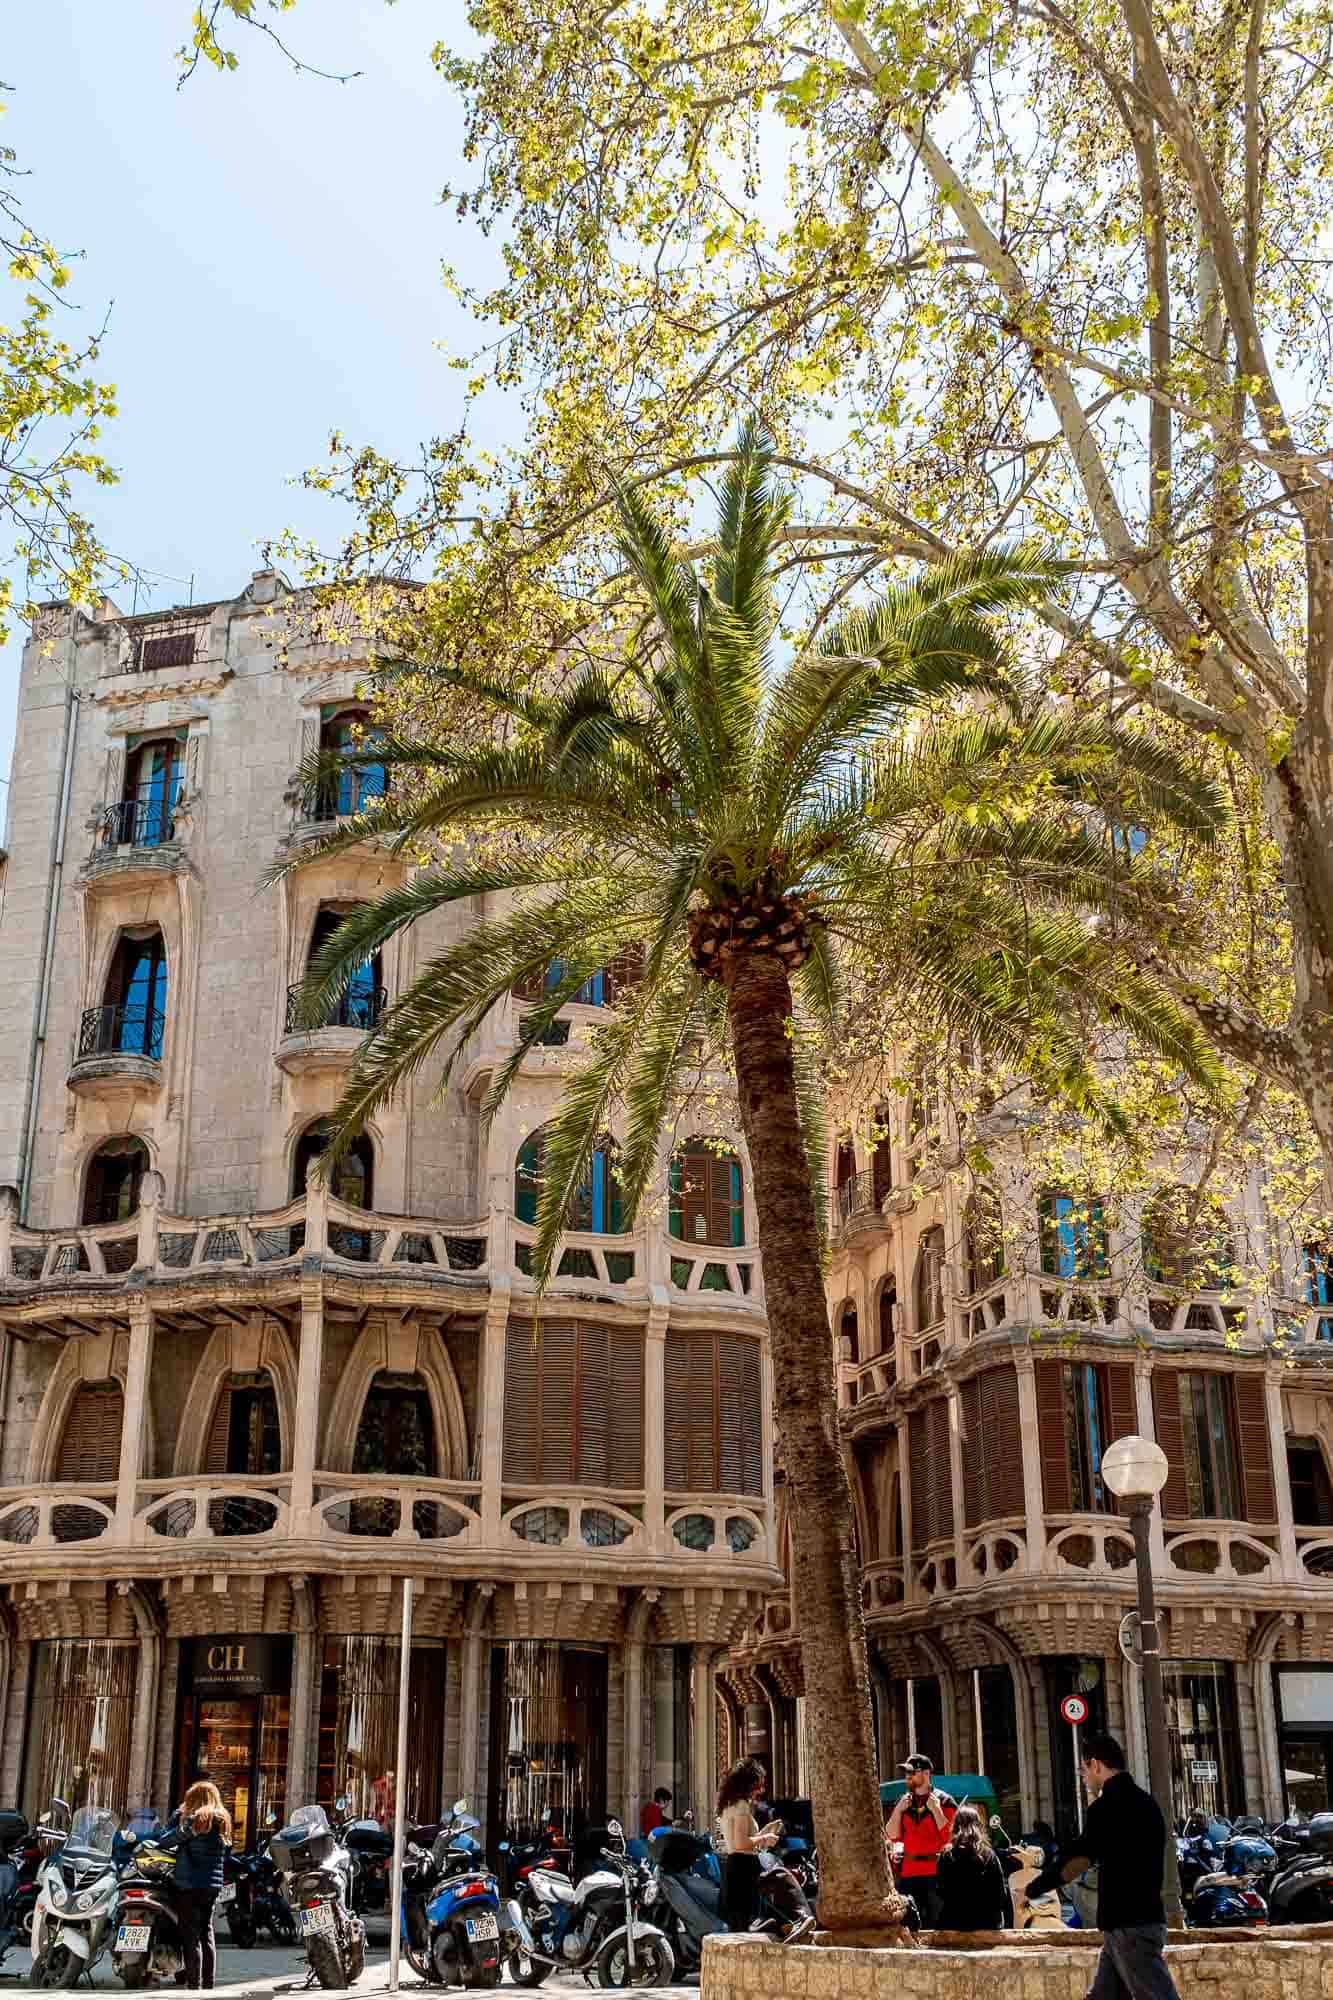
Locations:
(218, 1742)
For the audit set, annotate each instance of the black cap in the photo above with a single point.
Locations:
(916, 1762)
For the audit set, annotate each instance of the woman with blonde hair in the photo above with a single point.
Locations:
(201, 1839)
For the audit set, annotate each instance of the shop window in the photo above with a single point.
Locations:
(1072, 1229)
(358, 1727)
(133, 1013)
(983, 1241)
(361, 1002)
(237, 1735)
(929, 1282)
(707, 1195)
(548, 1737)
(595, 1205)
(115, 1176)
(80, 1722)
(1204, 1737)
(1187, 1242)
(712, 1413)
(1311, 1492)
(346, 734)
(573, 1409)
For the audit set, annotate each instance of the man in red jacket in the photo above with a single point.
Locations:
(922, 1820)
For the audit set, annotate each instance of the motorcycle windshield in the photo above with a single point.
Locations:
(313, 1818)
(93, 1830)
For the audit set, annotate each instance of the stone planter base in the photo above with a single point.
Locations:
(1266, 1968)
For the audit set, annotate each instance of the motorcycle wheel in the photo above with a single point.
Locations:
(419, 1963)
(241, 1928)
(527, 1971)
(484, 1975)
(60, 1967)
(282, 1924)
(325, 1962)
(653, 1963)
(355, 1953)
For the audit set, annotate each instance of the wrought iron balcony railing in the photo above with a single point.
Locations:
(356, 1009)
(129, 1030)
(136, 823)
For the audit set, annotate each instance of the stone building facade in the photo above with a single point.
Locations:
(991, 1341)
(237, 1408)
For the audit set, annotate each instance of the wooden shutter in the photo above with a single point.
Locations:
(942, 1492)
(219, 1432)
(559, 1390)
(609, 1374)
(719, 1197)
(690, 1385)
(1002, 1443)
(1171, 1436)
(918, 1463)
(624, 1408)
(1256, 1463)
(1056, 1493)
(1122, 1413)
(740, 1425)
(90, 1442)
(624, 971)
(974, 1454)
(881, 1159)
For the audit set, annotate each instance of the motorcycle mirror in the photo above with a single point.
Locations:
(460, 1805)
(131, 1838)
(341, 1802)
(614, 1826)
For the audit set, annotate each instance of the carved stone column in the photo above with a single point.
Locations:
(134, 1420)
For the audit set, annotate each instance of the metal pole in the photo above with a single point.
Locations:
(1154, 1703)
(400, 1790)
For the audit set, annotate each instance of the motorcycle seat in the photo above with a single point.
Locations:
(1217, 1881)
(546, 1882)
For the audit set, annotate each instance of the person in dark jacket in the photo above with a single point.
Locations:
(1125, 1834)
(969, 1879)
(201, 1839)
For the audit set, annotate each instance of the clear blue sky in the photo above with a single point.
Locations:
(270, 244)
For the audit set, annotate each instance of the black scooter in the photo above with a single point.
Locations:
(15, 1906)
(1300, 1890)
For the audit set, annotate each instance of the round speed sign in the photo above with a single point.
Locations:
(1074, 1709)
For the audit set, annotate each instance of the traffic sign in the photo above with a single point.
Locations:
(1131, 1641)
(1074, 1709)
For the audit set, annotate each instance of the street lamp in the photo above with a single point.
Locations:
(1136, 1470)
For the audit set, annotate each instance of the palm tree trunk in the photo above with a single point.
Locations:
(856, 1884)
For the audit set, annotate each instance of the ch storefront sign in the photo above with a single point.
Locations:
(241, 1663)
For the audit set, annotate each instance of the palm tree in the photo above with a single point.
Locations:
(748, 828)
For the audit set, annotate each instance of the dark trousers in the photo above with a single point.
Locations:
(194, 1909)
(740, 1891)
(924, 1892)
(1131, 1966)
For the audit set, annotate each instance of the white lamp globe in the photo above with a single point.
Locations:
(1134, 1465)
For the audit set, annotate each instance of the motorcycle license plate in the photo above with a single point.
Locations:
(482, 1927)
(133, 1937)
(320, 1918)
(227, 1895)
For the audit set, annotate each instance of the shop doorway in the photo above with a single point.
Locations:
(358, 1727)
(234, 1715)
(548, 1738)
(1204, 1736)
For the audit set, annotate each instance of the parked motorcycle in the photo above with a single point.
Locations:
(685, 1898)
(1219, 1887)
(594, 1924)
(316, 1881)
(252, 1900)
(147, 1942)
(76, 1900)
(455, 1930)
(1301, 1891)
(15, 1876)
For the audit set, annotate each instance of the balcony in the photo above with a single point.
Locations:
(135, 823)
(303, 1051)
(118, 1044)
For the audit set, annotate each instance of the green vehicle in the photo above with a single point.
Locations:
(965, 1788)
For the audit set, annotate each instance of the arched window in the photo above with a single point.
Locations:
(354, 1180)
(844, 1163)
(133, 1013)
(929, 1286)
(244, 1441)
(602, 989)
(849, 1334)
(707, 1195)
(362, 1000)
(346, 732)
(394, 1439)
(89, 1454)
(1187, 1241)
(144, 817)
(983, 1241)
(595, 1205)
(1073, 1235)
(115, 1175)
(887, 1310)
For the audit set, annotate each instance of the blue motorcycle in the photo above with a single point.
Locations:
(454, 1925)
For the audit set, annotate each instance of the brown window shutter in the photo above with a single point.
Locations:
(719, 1198)
(219, 1432)
(624, 1408)
(1056, 1493)
(1171, 1436)
(870, 1459)
(624, 971)
(695, 1186)
(740, 1433)
(90, 1442)
(881, 1159)
(975, 1495)
(1122, 1417)
(592, 1454)
(560, 1391)
(942, 1501)
(1256, 1460)
(1002, 1443)
(691, 1412)
(918, 1462)
(522, 1402)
